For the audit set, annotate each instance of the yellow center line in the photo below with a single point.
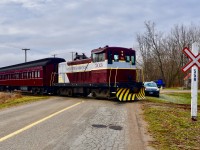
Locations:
(37, 122)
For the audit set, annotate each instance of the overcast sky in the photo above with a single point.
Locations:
(50, 27)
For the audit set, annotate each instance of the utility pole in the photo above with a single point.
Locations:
(25, 49)
(72, 59)
(54, 55)
(72, 55)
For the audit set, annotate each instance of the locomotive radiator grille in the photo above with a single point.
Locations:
(124, 94)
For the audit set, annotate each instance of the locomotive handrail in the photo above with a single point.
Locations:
(52, 78)
(116, 77)
(86, 67)
(141, 74)
(110, 76)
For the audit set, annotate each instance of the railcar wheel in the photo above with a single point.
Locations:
(70, 92)
(58, 92)
(94, 95)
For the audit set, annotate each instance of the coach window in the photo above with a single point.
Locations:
(24, 75)
(33, 74)
(20, 76)
(30, 75)
(17, 75)
(38, 74)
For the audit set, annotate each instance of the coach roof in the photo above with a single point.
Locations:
(40, 62)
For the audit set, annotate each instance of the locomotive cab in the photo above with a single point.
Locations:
(113, 55)
(116, 67)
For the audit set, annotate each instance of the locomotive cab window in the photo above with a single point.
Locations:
(116, 57)
(133, 60)
(127, 58)
(98, 57)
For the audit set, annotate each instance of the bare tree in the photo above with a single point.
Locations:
(162, 56)
(150, 46)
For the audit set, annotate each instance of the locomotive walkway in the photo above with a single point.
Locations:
(73, 124)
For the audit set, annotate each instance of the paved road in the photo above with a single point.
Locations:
(62, 123)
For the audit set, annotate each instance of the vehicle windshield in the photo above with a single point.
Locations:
(150, 84)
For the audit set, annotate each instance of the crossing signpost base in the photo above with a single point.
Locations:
(195, 65)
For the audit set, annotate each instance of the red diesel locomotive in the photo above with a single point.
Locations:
(109, 71)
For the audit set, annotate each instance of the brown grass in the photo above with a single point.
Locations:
(170, 124)
(6, 97)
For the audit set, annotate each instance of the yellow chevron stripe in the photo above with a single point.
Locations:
(126, 94)
(121, 95)
(118, 92)
(133, 97)
(139, 95)
(142, 93)
(129, 96)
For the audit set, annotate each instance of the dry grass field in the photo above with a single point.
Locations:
(13, 99)
(6, 97)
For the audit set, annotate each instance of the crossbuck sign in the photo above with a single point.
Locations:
(194, 60)
(195, 65)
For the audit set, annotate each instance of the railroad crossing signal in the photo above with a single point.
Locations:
(194, 60)
(195, 65)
